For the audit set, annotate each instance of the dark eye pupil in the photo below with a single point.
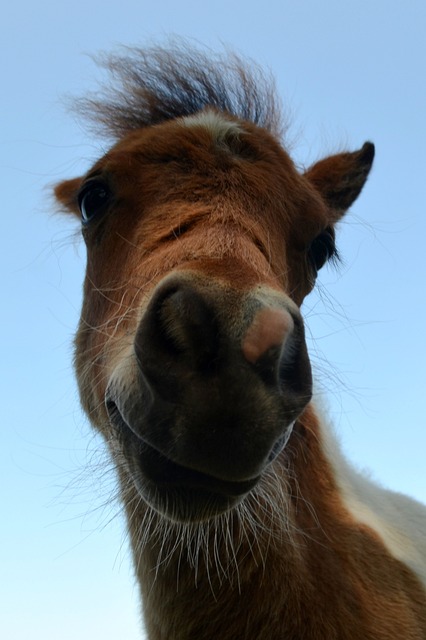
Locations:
(92, 200)
(322, 249)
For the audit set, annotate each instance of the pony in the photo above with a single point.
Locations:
(203, 239)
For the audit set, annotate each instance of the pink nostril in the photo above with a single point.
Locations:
(270, 328)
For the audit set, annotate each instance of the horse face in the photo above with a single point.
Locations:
(191, 358)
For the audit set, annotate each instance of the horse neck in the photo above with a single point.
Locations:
(188, 572)
(291, 562)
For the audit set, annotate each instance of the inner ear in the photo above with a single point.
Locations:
(66, 193)
(340, 178)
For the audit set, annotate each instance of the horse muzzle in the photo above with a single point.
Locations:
(208, 397)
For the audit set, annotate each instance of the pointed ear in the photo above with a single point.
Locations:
(66, 194)
(340, 178)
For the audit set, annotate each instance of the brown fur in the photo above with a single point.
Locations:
(327, 578)
(232, 222)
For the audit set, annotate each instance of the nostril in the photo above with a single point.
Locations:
(288, 359)
(267, 335)
(294, 370)
(168, 324)
(185, 318)
(181, 324)
(267, 342)
(190, 326)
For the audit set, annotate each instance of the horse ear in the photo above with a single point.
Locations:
(66, 194)
(340, 178)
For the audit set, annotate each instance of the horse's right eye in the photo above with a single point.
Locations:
(93, 199)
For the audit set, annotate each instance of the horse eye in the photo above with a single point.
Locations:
(322, 249)
(92, 200)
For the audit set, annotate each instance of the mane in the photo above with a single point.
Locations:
(151, 85)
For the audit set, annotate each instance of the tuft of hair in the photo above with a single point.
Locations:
(151, 85)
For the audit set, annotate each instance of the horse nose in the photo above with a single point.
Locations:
(189, 325)
(220, 378)
(179, 332)
(271, 346)
(269, 331)
(183, 332)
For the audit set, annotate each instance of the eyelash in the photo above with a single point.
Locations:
(323, 249)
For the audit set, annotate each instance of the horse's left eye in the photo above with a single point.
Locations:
(322, 249)
(92, 200)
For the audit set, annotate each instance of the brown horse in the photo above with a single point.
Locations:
(203, 239)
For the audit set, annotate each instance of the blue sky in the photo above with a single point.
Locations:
(347, 71)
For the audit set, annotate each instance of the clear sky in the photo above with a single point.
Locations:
(347, 71)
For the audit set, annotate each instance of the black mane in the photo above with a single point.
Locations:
(156, 84)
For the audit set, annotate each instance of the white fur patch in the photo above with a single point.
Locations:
(399, 520)
(215, 123)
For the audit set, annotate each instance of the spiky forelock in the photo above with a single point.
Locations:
(156, 84)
